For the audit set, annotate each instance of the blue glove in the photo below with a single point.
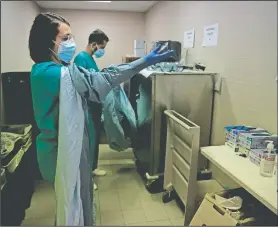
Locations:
(155, 57)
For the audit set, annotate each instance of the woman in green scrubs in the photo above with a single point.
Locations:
(52, 46)
(47, 32)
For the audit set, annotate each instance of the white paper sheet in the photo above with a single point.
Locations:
(210, 35)
(189, 37)
(146, 73)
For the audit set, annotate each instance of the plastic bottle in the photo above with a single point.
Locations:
(268, 160)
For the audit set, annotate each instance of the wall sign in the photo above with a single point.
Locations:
(210, 35)
(189, 37)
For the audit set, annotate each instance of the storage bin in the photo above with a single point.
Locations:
(252, 211)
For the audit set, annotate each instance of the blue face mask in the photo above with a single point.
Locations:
(99, 53)
(66, 50)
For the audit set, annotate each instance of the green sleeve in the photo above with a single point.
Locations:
(80, 61)
(45, 92)
(94, 66)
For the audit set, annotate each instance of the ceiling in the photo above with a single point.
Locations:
(127, 6)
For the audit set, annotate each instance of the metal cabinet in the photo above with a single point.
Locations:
(189, 93)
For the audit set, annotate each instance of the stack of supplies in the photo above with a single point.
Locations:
(232, 134)
(250, 141)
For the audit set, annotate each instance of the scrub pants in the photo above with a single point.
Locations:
(96, 112)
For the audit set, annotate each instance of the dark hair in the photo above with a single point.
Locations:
(44, 30)
(98, 36)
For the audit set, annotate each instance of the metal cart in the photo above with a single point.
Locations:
(189, 93)
(181, 163)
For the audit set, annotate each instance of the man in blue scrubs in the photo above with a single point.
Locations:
(95, 49)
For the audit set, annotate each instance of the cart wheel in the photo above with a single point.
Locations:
(167, 196)
(149, 183)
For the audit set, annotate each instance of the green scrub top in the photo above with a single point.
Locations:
(86, 61)
(45, 86)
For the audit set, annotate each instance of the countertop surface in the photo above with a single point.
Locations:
(245, 173)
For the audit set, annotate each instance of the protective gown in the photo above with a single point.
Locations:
(63, 145)
(86, 61)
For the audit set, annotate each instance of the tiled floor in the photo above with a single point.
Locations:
(122, 199)
(42, 209)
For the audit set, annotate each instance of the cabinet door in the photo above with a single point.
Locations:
(17, 98)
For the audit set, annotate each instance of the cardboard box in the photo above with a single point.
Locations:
(129, 59)
(211, 214)
(232, 145)
(206, 186)
(232, 136)
(234, 133)
(256, 140)
(243, 150)
(255, 160)
(255, 155)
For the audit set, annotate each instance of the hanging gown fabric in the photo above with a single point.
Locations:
(73, 180)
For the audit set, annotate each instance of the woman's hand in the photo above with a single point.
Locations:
(155, 57)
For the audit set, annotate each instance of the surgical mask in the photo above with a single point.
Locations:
(66, 50)
(99, 53)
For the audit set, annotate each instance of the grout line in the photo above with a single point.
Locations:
(98, 198)
(38, 218)
(122, 213)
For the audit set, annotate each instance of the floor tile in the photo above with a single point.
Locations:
(166, 222)
(177, 221)
(103, 162)
(114, 218)
(107, 153)
(106, 183)
(43, 203)
(109, 201)
(157, 197)
(156, 213)
(173, 211)
(123, 184)
(107, 167)
(124, 170)
(38, 222)
(122, 162)
(147, 201)
(129, 200)
(98, 222)
(134, 216)
(139, 224)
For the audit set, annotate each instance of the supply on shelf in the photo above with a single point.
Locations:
(268, 160)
